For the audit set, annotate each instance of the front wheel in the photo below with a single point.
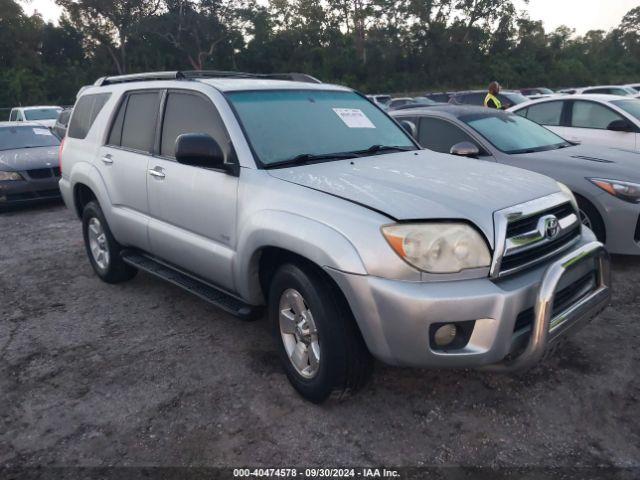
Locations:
(319, 343)
(591, 219)
(102, 249)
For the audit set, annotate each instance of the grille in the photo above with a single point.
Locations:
(534, 250)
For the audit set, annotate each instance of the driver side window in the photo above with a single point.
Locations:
(592, 115)
(439, 135)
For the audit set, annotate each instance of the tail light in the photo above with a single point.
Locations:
(60, 153)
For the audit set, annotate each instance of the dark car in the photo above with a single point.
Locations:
(62, 122)
(29, 169)
(508, 98)
(439, 97)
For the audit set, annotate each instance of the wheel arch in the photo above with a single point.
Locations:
(585, 200)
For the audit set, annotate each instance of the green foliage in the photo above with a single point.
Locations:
(371, 45)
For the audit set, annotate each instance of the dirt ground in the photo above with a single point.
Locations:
(143, 373)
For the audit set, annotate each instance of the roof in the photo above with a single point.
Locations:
(239, 84)
(21, 124)
(597, 97)
(34, 107)
(449, 110)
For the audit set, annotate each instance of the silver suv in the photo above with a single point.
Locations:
(309, 200)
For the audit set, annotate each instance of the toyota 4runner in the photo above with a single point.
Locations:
(309, 200)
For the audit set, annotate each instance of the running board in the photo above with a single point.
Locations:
(207, 292)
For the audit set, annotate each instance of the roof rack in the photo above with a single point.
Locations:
(194, 74)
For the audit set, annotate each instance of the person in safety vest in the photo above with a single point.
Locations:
(491, 100)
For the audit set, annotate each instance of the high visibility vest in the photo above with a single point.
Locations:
(496, 102)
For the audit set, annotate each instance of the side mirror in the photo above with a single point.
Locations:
(620, 126)
(409, 127)
(465, 149)
(200, 150)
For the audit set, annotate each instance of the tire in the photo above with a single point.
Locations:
(95, 231)
(590, 217)
(345, 364)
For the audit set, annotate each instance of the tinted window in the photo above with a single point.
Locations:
(281, 125)
(440, 135)
(63, 118)
(632, 107)
(511, 98)
(189, 113)
(548, 113)
(474, 98)
(115, 135)
(139, 126)
(439, 97)
(26, 137)
(592, 115)
(14, 116)
(512, 133)
(42, 113)
(85, 112)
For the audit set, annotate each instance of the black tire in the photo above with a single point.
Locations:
(116, 270)
(345, 362)
(594, 218)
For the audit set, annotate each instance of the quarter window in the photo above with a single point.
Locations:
(440, 135)
(191, 113)
(548, 113)
(14, 116)
(592, 115)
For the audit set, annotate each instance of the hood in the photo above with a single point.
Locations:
(424, 185)
(589, 160)
(28, 158)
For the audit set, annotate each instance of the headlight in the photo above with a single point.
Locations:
(568, 191)
(438, 247)
(10, 176)
(627, 191)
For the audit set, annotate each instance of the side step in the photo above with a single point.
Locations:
(207, 292)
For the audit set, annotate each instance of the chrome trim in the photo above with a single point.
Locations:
(502, 218)
(537, 237)
(547, 329)
(542, 258)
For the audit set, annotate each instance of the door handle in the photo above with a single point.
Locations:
(106, 159)
(156, 172)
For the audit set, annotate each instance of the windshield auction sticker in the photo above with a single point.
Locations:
(354, 118)
(41, 131)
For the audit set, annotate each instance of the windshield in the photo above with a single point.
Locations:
(26, 137)
(284, 124)
(512, 133)
(632, 107)
(41, 113)
(514, 98)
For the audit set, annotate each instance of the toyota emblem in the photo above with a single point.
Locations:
(550, 226)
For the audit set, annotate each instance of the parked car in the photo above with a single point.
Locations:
(620, 90)
(399, 102)
(635, 86)
(605, 182)
(358, 243)
(439, 97)
(414, 103)
(381, 100)
(62, 122)
(606, 120)
(508, 98)
(29, 169)
(43, 115)
(536, 92)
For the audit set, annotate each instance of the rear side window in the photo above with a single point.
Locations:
(85, 112)
(191, 113)
(440, 135)
(135, 124)
(474, 98)
(592, 115)
(548, 113)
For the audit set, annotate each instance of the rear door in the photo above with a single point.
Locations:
(123, 164)
(588, 122)
(548, 114)
(193, 209)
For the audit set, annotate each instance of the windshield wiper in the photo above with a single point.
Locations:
(307, 158)
(384, 148)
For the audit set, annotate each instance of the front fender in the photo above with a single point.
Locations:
(313, 240)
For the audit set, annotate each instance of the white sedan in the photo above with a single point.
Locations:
(607, 120)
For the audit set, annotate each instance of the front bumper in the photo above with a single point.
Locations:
(18, 192)
(395, 317)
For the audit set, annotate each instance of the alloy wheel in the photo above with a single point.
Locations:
(299, 333)
(98, 243)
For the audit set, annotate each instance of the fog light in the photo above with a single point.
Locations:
(445, 335)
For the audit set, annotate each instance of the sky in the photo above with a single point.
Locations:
(582, 15)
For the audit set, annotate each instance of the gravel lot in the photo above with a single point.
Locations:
(143, 373)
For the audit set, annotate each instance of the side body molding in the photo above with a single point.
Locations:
(309, 238)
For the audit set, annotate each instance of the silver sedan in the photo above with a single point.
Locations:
(605, 181)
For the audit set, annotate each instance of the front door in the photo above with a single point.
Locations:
(193, 209)
(588, 125)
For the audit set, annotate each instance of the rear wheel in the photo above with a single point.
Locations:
(319, 343)
(590, 218)
(102, 249)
